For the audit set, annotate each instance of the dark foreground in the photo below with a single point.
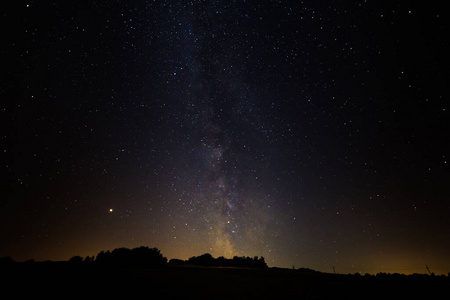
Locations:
(176, 282)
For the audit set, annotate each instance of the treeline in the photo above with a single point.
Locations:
(138, 256)
(152, 257)
(208, 260)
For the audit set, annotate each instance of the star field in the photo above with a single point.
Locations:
(313, 134)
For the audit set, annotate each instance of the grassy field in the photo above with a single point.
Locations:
(189, 282)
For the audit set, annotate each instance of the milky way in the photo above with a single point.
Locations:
(213, 122)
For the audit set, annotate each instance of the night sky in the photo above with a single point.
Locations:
(312, 133)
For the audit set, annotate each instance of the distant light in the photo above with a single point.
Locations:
(110, 210)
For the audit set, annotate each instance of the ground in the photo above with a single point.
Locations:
(188, 282)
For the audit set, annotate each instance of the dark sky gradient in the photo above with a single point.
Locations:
(313, 133)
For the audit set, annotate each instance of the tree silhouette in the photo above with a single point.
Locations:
(104, 257)
(243, 262)
(202, 260)
(138, 256)
(7, 260)
(76, 259)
